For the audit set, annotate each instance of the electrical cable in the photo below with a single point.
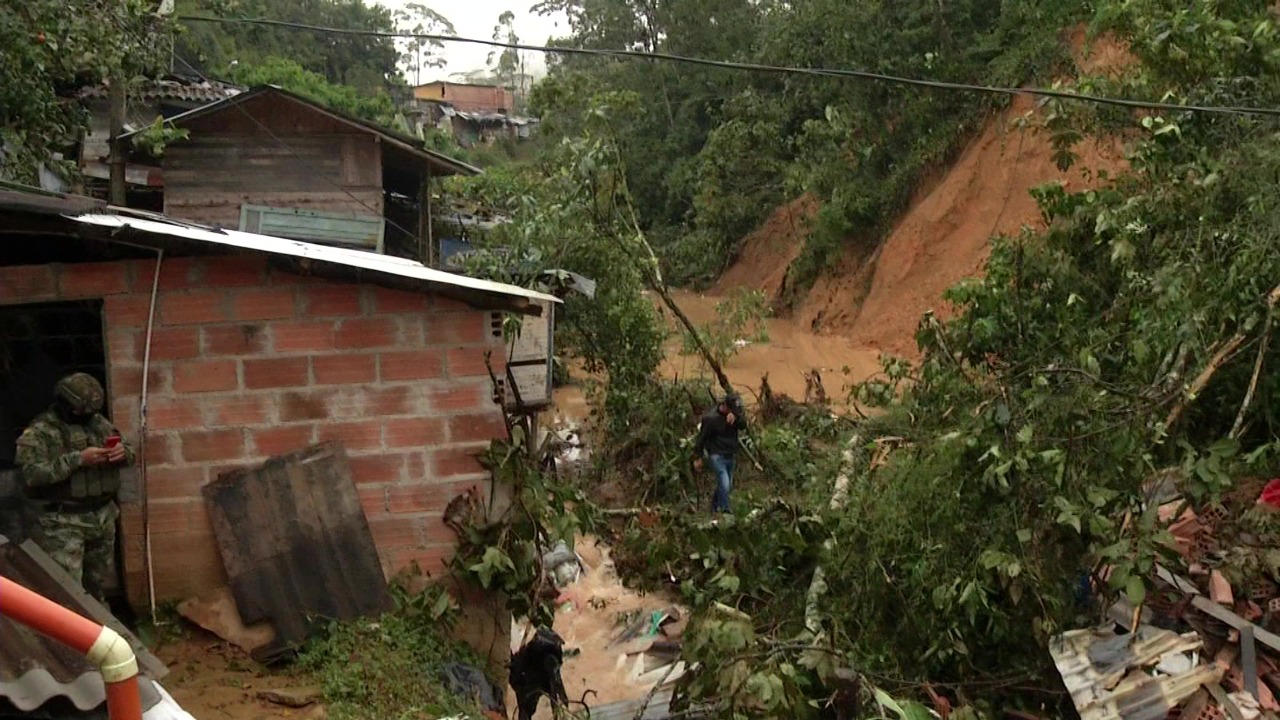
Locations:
(757, 67)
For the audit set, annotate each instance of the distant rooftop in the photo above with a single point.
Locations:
(172, 87)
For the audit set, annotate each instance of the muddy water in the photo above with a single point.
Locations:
(790, 351)
(588, 621)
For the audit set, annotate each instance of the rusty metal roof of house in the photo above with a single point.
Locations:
(391, 138)
(186, 90)
(34, 669)
(80, 216)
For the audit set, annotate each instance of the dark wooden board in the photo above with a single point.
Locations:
(296, 544)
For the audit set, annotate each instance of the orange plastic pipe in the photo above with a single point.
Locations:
(124, 700)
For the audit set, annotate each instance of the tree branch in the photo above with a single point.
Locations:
(1238, 425)
(1215, 363)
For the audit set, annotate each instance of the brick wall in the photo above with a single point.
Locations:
(468, 98)
(248, 362)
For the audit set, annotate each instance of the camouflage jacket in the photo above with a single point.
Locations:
(49, 456)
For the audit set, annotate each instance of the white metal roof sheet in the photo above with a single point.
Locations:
(373, 262)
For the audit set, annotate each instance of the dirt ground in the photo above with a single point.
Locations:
(214, 680)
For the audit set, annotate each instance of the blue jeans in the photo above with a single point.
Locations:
(722, 466)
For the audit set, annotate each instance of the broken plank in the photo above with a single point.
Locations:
(1216, 611)
(1249, 660)
(1224, 701)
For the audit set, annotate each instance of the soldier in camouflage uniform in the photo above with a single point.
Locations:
(72, 479)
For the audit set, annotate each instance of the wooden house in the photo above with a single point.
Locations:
(269, 161)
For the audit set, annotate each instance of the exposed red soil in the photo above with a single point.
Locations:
(944, 238)
(875, 299)
(765, 259)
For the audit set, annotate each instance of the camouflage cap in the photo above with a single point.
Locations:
(82, 392)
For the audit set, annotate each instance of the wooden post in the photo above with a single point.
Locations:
(433, 254)
(115, 118)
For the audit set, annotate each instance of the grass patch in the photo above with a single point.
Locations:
(390, 668)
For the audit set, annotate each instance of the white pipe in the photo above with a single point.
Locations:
(142, 438)
(113, 657)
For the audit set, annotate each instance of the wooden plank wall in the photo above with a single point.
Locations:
(271, 151)
(208, 178)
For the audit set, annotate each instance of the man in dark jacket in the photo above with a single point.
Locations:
(718, 441)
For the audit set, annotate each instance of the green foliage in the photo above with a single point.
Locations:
(710, 152)
(50, 50)
(1112, 350)
(292, 76)
(504, 555)
(153, 138)
(390, 667)
(366, 63)
(573, 211)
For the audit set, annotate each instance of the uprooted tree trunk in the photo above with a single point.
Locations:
(818, 585)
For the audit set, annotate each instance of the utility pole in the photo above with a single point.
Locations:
(115, 121)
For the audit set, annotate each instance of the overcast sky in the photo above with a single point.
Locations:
(476, 18)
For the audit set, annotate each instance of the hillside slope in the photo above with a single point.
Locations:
(944, 236)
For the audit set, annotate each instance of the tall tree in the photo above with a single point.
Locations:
(508, 63)
(419, 52)
(369, 64)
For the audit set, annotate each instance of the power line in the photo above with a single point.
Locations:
(756, 67)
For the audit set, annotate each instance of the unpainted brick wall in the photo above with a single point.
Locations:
(249, 362)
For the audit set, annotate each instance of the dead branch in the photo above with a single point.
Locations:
(1219, 358)
(633, 511)
(1238, 425)
(839, 496)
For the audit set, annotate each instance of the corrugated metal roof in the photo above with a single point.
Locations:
(35, 669)
(385, 264)
(184, 90)
(1115, 677)
(296, 544)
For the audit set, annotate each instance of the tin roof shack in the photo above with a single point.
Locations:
(270, 161)
(165, 97)
(259, 346)
(470, 128)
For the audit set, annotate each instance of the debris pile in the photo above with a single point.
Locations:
(619, 647)
(1203, 644)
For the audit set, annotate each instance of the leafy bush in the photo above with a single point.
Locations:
(390, 667)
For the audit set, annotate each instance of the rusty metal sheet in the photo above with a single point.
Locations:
(1113, 677)
(296, 545)
(181, 89)
(35, 670)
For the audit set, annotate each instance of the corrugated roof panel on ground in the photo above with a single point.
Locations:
(35, 669)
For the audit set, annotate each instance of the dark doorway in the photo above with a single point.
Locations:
(38, 345)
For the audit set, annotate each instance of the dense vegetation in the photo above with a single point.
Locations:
(1127, 344)
(708, 152)
(48, 50)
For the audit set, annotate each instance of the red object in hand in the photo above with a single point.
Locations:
(113, 441)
